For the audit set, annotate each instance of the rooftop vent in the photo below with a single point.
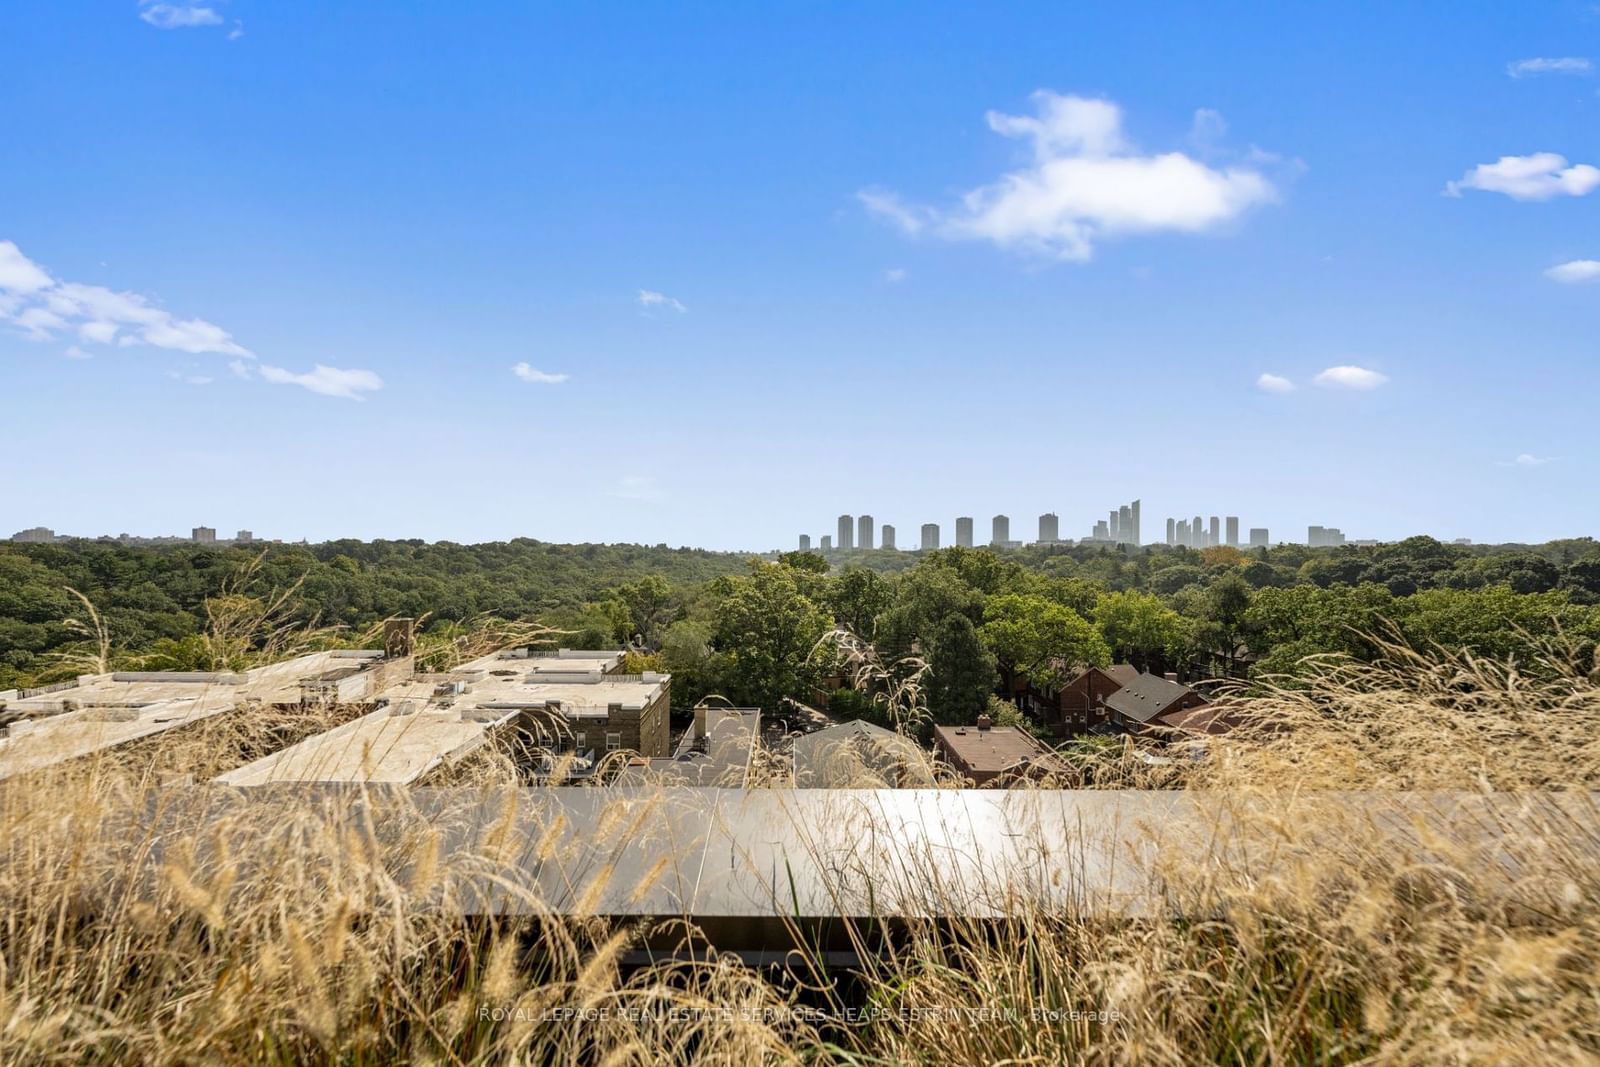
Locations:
(984, 722)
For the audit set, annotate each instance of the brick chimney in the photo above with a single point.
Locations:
(984, 722)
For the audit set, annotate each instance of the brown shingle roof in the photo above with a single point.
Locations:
(1146, 697)
(989, 751)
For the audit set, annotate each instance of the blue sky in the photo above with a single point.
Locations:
(713, 274)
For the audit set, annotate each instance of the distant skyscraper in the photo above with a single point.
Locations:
(244, 537)
(864, 532)
(1258, 537)
(1133, 531)
(1002, 531)
(930, 536)
(1114, 524)
(1182, 533)
(1214, 537)
(1102, 532)
(1197, 533)
(1049, 528)
(827, 543)
(1324, 537)
(1125, 524)
(204, 534)
(805, 542)
(847, 532)
(1172, 531)
(1233, 530)
(887, 536)
(964, 532)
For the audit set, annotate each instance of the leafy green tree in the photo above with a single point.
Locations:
(1581, 580)
(961, 672)
(687, 655)
(1222, 627)
(925, 597)
(766, 628)
(650, 607)
(1171, 579)
(858, 597)
(1036, 640)
(1524, 572)
(1139, 628)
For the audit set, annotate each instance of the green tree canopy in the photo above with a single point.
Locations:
(1037, 640)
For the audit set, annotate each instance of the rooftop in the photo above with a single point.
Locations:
(103, 711)
(989, 751)
(1146, 697)
(435, 719)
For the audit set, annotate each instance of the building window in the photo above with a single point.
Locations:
(580, 741)
(613, 742)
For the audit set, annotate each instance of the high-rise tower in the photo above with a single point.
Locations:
(864, 532)
(964, 532)
(847, 532)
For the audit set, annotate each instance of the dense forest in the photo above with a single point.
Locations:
(753, 629)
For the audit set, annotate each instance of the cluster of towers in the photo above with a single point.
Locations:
(1120, 527)
(1197, 533)
(856, 531)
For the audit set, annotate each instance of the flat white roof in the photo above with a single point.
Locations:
(423, 728)
(112, 713)
(379, 748)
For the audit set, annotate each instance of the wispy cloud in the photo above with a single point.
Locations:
(536, 376)
(1086, 182)
(1540, 176)
(637, 487)
(1577, 270)
(1348, 377)
(1527, 459)
(1274, 383)
(43, 308)
(1524, 68)
(329, 381)
(894, 275)
(649, 298)
(178, 16)
(190, 379)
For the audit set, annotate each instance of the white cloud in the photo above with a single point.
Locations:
(1541, 176)
(189, 379)
(1522, 68)
(329, 381)
(894, 275)
(889, 207)
(74, 352)
(1274, 383)
(1525, 459)
(178, 16)
(1086, 182)
(1578, 270)
(649, 298)
(536, 376)
(18, 273)
(637, 487)
(239, 367)
(237, 31)
(1347, 377)
(42, 307)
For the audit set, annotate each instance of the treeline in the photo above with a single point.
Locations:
(147, 595)
(988, 624)
(983, 623)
